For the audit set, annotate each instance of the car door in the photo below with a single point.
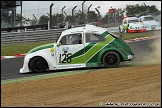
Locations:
(70, 53)
(94, 44)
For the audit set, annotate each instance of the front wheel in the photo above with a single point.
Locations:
(38, 64)
(126, 30)
(111, 59)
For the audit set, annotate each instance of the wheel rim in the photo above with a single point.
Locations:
(111, 59)
(39, 64)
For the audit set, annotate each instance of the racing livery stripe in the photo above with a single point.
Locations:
(82, 51)
(89, 46)
(94, 60)
(41, 47)
(98, 47)
(104, 34)
(90, 53)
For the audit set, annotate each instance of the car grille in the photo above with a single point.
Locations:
(153, 26)
(137, 28)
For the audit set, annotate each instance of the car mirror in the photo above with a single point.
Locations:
(58, 44)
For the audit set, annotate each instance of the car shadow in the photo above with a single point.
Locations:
(75, 69)
(64, 70)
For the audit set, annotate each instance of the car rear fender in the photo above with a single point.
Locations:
(121, 54)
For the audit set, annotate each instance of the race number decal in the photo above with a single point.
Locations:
(66, 58)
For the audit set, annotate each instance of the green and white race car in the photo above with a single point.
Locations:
(87, 46)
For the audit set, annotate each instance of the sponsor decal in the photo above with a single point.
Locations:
(52, 55)
(52, 50)
(71, 66)
(65, 49)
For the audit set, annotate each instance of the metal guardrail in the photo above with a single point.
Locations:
(30, 36)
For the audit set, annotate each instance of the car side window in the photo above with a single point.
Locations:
(71, 39)
(91, 37)
(140, 19)
(144, 19)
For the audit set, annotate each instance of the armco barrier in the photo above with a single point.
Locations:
(30, 36)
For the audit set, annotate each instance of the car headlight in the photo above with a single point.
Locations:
(131, 27)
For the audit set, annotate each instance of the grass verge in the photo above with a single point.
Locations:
(44, 76)
(127, 36)
(8, 50)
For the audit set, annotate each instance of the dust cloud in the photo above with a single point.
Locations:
(153, 56)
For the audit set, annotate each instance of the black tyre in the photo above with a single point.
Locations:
(38, 64)
(127, 30)
(111, 59)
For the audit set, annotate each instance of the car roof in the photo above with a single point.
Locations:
(86, 28)
(146, 16)
(131, 18)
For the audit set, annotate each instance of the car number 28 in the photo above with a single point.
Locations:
(66, 58)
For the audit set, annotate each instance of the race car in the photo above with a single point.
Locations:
(133, 25)
(150, 23)
(80, 47)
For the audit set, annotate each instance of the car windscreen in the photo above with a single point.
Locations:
(57, 39)
(133, 21)
(148, 18)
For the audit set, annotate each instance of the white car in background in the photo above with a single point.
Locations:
(133, 25)
(150, 23)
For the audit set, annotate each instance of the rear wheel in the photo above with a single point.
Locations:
(111, 59)
(38, 64)
(127, 30)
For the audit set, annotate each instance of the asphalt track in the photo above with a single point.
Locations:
(10, 67)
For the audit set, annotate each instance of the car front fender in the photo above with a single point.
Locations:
(46, 54)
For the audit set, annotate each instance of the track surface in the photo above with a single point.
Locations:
(10, 67)
(140, 84)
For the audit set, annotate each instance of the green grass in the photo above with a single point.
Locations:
(127, 36)
(9, 50)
